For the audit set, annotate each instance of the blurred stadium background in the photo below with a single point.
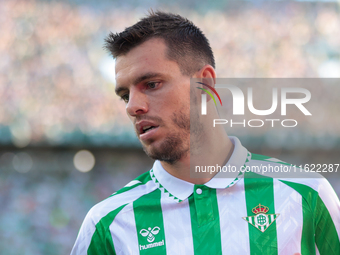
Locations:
(65, 142)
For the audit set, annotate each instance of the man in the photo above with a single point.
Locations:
(166, 211)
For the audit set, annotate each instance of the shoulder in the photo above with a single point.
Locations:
(98, 220)
(314, 189)
(262, 159)
(138, 187)
(287, 173)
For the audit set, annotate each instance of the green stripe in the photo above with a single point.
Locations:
(205, 221)
(315, 211)
(101, 242)
(327, 239)
(149, 222)
(267, 159)
(144, 178)
(307, 238)
(259, 157)
(260, 190)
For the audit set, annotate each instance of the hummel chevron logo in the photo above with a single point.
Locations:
(150, 233)
(261, 220)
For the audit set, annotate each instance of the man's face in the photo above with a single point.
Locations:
(157, 97)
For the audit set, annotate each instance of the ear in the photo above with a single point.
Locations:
(206, 71)
(207, 76)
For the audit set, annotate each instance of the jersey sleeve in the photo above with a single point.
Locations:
(84, 237)
(321, 213)
(327, 219)
(93, 238)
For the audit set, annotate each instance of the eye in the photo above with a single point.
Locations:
(153, 85)
(125, 97)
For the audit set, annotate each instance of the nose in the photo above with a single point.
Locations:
(137, 104)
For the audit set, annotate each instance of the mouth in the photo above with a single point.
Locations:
(148, 133)
(147, 129)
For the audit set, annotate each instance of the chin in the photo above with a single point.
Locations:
(170, 150)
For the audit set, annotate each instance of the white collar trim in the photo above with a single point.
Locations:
(181, 190)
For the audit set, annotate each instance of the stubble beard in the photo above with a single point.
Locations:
(175, 145)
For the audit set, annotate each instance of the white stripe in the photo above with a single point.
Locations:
(234, 229)
(123, 232)
(112, 203)
(317, 250)
(102, 209)
(177, 226)
(131, 183)
(288, 203)
(274, 160)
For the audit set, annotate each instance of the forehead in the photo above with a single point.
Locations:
(149, 57)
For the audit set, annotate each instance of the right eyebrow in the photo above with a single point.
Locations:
(120, 89)
(138, 80)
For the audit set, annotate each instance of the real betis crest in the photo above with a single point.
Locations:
(261, 220)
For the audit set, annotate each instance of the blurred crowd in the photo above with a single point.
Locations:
(42, 208)
(57, 82)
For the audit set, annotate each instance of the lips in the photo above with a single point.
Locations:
(145, 126)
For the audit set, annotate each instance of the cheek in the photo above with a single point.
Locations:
(131, 120)
(167, 102)
(174, 98)
(180, 99)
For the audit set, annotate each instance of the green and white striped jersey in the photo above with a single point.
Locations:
(160, 214)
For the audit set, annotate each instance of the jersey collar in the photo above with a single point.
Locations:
(180, 190)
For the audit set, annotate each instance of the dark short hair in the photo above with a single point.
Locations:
(186, 43)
